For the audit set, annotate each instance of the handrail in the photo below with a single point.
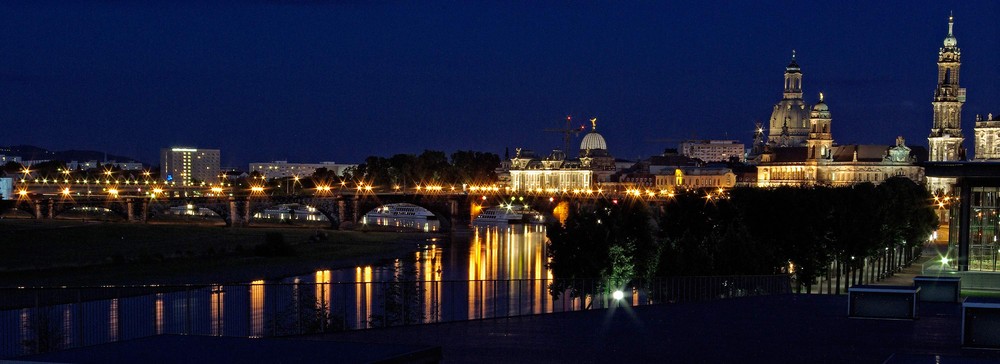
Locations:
(40, 319)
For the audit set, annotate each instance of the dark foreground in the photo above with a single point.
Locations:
(784, 329)
(773, 329)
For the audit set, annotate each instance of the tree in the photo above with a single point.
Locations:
(607, 243)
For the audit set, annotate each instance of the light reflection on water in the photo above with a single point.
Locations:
(417, 223)
(496, 267)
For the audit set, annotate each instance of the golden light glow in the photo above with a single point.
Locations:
(113, 192)
(561, 211)
(217, 189)
(257, 189)
(66, 191)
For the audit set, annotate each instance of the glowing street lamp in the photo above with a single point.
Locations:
(618, 295)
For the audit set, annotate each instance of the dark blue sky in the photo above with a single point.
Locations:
(314, 81)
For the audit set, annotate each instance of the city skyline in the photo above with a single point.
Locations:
(344, 81)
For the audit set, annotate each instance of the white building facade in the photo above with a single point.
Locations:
(713, 150)
(281, 169)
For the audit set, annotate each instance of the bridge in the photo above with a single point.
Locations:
(140, 203)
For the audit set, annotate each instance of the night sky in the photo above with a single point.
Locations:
(310, 81)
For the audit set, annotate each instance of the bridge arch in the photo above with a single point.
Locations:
(63, 210)
(324, 207)
(442, 207)
(209, 209)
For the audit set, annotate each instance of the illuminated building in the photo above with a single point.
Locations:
(713, 150)
(279, 169)
(6, 188)
(696, 178)
(189, 166)
(987, 133)
(91, 164)
(594, 166)
(945, 140)
(4, 159)
(820, 162)
(789, 124)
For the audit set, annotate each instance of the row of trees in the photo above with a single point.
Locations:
(745, 232)
(430, 167)
(57, 169)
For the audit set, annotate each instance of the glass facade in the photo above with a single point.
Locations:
(984, 228)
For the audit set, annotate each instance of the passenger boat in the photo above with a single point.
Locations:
(400, 211)
(511, 214)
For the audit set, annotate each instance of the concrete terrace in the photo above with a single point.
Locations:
(786, 329)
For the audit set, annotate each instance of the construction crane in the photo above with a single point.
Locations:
(567, 132)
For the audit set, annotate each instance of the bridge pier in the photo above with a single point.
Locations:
(341, 214)
(129, 210)
(38, 209)
(453, 213)
(234, 214)
(354, 211)
(246, 212)
(51, 206)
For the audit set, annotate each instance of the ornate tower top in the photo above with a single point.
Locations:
(950, 40)
(793, 80)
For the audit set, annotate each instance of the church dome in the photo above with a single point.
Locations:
(593, 140)
(950, 41)
(821, 106)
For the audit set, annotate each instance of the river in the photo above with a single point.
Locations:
(497, 270)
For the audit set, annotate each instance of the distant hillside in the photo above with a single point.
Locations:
(30, 152)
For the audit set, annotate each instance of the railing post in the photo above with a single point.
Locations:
(79, 317)
(187, 310)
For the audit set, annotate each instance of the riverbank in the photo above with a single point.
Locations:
(74, 253)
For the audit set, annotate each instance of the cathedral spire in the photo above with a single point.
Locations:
(945, 139)
(951, 24)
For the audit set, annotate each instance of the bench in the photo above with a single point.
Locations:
(938, 289)
(981, 322)
(885, 302)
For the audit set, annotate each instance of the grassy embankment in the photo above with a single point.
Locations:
(46, 253)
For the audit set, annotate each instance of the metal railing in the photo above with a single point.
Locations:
(41, 319)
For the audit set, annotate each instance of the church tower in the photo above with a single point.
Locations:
(945, 140)
(820, 143)
(789, 124)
